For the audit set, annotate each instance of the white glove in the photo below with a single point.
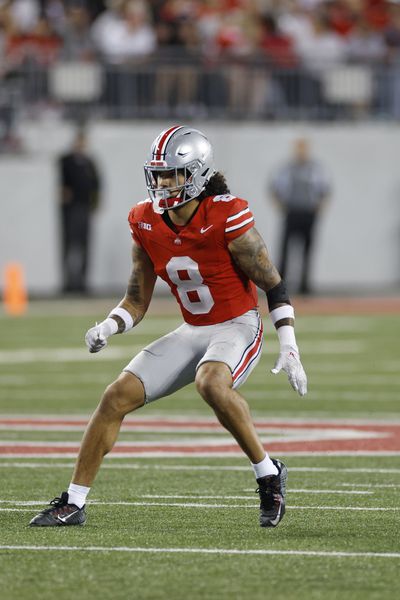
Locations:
(289, 361)
(96, 337)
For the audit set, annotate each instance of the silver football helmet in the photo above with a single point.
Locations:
(184, 150)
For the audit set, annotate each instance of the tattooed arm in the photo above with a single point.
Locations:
(140, 288)
(132, 308)
(251, 255)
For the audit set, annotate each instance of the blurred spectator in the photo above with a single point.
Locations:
(392, 33)
(107, 29)
(377, 13)
(77, 42)
(55, 12)
(321, 51)
(40, 46)
(277, 46)
(177, 83)
(123, 35)
(96, 7)
(208, 23)
(123, 32)
(29, 55)
(235, 56)
(176, 27)
(80, 186)
(279, 52)
(300, 188)
(10, 93)
(341, 15)
(295, 22)
(236, 44)
(25, 14)
(392, 41)
(365, 45)
(322, 48)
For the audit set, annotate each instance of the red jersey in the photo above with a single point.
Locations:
(195, 262)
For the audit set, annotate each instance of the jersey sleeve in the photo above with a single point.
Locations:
(133, 225)
(239, 219)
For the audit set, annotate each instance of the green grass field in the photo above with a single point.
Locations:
(181, 527)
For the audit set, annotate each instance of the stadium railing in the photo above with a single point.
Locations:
(221, 90)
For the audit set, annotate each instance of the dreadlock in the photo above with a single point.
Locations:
(215, 187)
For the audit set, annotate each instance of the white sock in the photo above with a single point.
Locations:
(264, 468)
(77, 494)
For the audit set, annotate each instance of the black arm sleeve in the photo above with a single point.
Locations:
(277, 295)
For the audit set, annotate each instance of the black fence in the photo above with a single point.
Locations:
(192, 89)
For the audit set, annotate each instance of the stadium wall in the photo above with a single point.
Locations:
(357, 247)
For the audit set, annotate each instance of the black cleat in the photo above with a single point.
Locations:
(272, 490)
(60, 514)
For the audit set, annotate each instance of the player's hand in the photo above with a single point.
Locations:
(96, 337)
(289, 361)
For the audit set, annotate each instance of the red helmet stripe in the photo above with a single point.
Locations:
(164, 139)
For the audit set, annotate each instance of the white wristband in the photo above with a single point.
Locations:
(282, 312)
(286, 336)
(109, 326)
(124, 315)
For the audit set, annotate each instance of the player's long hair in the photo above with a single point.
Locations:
(215, 187)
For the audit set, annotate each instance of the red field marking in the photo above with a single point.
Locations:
(353, 437)
(198, 424)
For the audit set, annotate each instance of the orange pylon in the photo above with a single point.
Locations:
(15, 296)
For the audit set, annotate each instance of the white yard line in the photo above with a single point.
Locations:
(370, 485)
(340, 470)
(334, 395)
(318, 377)
(63, 395)
(34, 355)
(227, 551)
(56, 378)
(15, 509)
(186, 497)
(184, 438)
(203, 505)
(331, 379)
(137, 466)
(162, 455)
(322, 491)
(63, 355)
(222, 497)
(355, 368)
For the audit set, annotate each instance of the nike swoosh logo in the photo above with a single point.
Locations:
(204, 229)
(276, 520)
(65, 519)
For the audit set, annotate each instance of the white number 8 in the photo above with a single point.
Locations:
(194, 283)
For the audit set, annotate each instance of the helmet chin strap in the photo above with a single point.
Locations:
(162, 196)
(159, 196)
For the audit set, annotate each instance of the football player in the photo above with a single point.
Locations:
(202, 241)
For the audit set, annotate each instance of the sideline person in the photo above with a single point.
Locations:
(79, 181)
(301, 188)
(201, 240)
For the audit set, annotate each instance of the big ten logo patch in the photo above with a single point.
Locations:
(146, 226)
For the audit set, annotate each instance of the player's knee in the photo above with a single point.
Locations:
(122, 396)
(213, 380)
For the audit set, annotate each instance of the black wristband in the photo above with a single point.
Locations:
(277, 295)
